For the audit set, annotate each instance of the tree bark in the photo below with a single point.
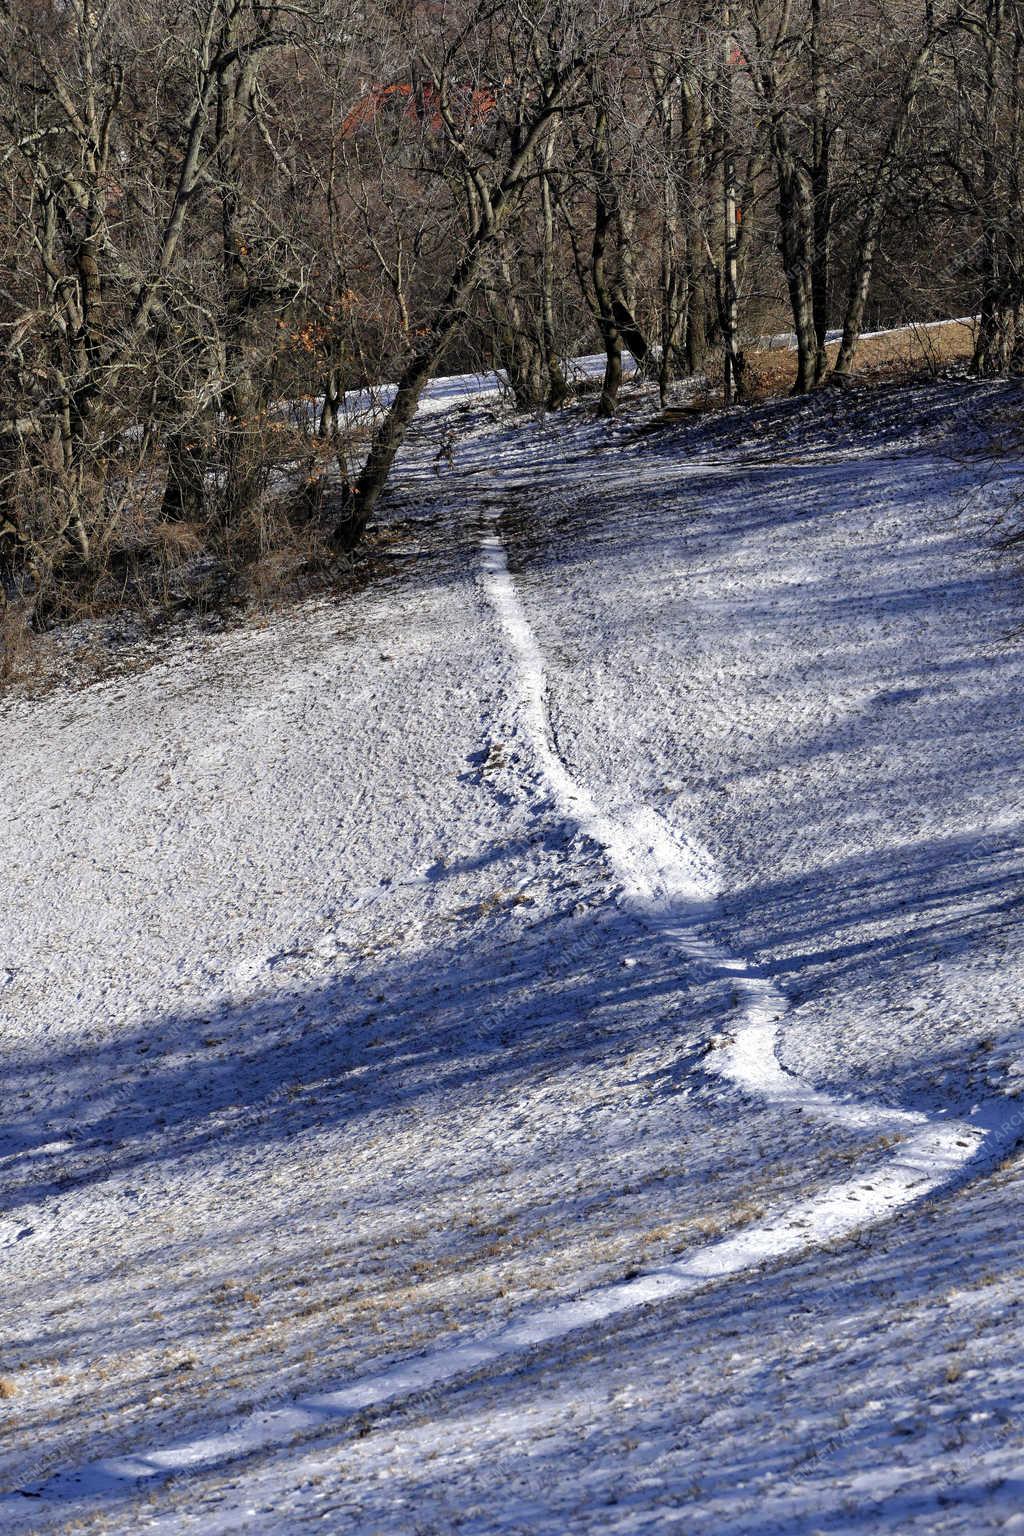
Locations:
(879, 193)
(557, 388)
(821, 192)
(796, 246)
(362, 497)
(604, 229)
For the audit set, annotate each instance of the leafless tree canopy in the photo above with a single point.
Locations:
(214, 208)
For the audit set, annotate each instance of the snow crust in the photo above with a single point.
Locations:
(447, 878)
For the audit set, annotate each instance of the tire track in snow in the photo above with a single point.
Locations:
(670, 883)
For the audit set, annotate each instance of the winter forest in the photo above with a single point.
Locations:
(511, 724)
(213, 208)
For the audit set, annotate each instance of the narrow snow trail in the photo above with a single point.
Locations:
(671, 884)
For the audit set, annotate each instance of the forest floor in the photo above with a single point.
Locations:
(536, 1045)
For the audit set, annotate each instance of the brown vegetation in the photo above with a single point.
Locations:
(903, 353)
(215, 208)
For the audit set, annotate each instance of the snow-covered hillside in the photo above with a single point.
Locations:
(536, 1045)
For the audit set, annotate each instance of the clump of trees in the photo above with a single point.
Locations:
(215, 208)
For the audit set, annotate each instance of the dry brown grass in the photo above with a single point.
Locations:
(78, 623)
(143, 571)
(889, 355)
(896, 355)
(20, 657)
(7, 1387)
(174, 543)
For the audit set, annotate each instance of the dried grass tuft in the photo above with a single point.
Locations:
(20, 648)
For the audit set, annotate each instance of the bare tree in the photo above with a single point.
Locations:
(123, 131)
(531, 68)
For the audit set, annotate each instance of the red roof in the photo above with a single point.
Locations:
(471, 105)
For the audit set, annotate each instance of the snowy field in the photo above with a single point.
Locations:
(536, 1046)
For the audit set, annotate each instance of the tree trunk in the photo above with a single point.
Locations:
(362, 497)
(821, 192)
(672, 252)
(733, 370)
(520, 353)
(796, 246)
(996, 321)
(557, 388)
(604, 227)
(862, 266)
(696, 268)
(673, 308)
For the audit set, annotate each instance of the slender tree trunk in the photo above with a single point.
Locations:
(557, 388)
(362, 497)
(519, 353)
(673, 309)
(327, 426)
(732, 383)
(672, 243)
(604, 229)
(994, 344)
(695, 130)
(821, 192)
(796, 246)
(241, 401)
(881, 189)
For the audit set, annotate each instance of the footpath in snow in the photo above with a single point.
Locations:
(620, 677)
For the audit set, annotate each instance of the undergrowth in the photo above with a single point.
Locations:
(68, 617)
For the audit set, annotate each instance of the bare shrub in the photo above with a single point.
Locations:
(20, 652)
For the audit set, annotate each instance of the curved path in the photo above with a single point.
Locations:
(671, 885)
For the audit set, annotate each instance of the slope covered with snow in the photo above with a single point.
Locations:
(624, 888)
